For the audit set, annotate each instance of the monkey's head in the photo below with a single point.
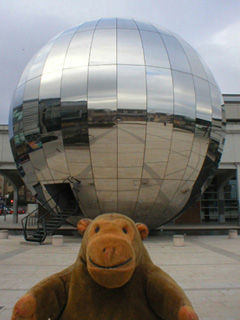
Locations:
(111, 248)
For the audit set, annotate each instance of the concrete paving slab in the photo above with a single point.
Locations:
(207, 268)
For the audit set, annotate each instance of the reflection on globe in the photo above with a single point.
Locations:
(126, 113)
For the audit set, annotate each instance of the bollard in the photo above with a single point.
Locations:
(233, 234)
(178, 240)
(57, 241)
(3, 234)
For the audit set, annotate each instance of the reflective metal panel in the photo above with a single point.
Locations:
(102, 106)
(57, 55)
(18, 141)
(127, 195)
(103, 147)
(216, 103)
(38, 65)
(159, 94)
(106, 157)
(179, 154)
(129, 47)
(177, 56)
(50, 112)
(197, 157)
(131, 145)
(124, 23)
(32, 137)
(107, 194)
(145, 26)
(163, 30)
(56, 158)
(50, 135)
(181, 196)
(203, 99)
(89, 25)
(164, 197)
(74, 122)
(193, 58)
(216, 132)
(157, 150)
(79, 161)
(131, 90)
(147, 195)
(38, 159)
(159, 127)
(184, 104)
(102, 89)
(68, 32)
(88, 199)
(107, 23)
(10, 122)
(50, 85)
(154, 50)
(103, 49)
(210, 76)
(30, 123)
(131, 148)
(32, 89)
(30, 177)
(78, 51)
(19, 94)
(74, 85)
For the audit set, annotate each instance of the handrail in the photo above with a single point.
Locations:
(41, 221)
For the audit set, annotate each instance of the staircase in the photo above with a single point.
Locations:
(49, 221)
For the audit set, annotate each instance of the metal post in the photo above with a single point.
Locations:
(15, 204)
(3, 186)
(5, 206)
(238, 190)
(221, 202)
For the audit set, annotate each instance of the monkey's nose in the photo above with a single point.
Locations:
(109, 252)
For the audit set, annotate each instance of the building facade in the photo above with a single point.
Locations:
(220, 201)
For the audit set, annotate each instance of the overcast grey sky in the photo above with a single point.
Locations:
(212, 27)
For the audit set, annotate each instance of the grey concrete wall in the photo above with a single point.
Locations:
(6, 157)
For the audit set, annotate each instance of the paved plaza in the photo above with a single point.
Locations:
(207, 268)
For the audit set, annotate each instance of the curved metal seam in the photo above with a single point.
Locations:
(140, 185)
(90, 49)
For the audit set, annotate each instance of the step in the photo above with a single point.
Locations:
(35, 239)
(51, 229)
(37, 234)
(52, 222)
(49, 224)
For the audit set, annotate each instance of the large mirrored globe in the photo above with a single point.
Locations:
(122, 111)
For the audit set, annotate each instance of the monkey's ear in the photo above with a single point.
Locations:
(143, 230)
(82, 225)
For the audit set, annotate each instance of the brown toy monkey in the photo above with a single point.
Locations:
(113, 278)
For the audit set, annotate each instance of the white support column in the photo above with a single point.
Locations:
(15, 204)
(221, 216)
(238, 189)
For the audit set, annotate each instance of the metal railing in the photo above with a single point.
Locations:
(48, 222)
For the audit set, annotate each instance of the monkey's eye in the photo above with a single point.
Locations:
(124, 230)
(97, 229)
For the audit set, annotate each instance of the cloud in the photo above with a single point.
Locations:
(221, 51)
